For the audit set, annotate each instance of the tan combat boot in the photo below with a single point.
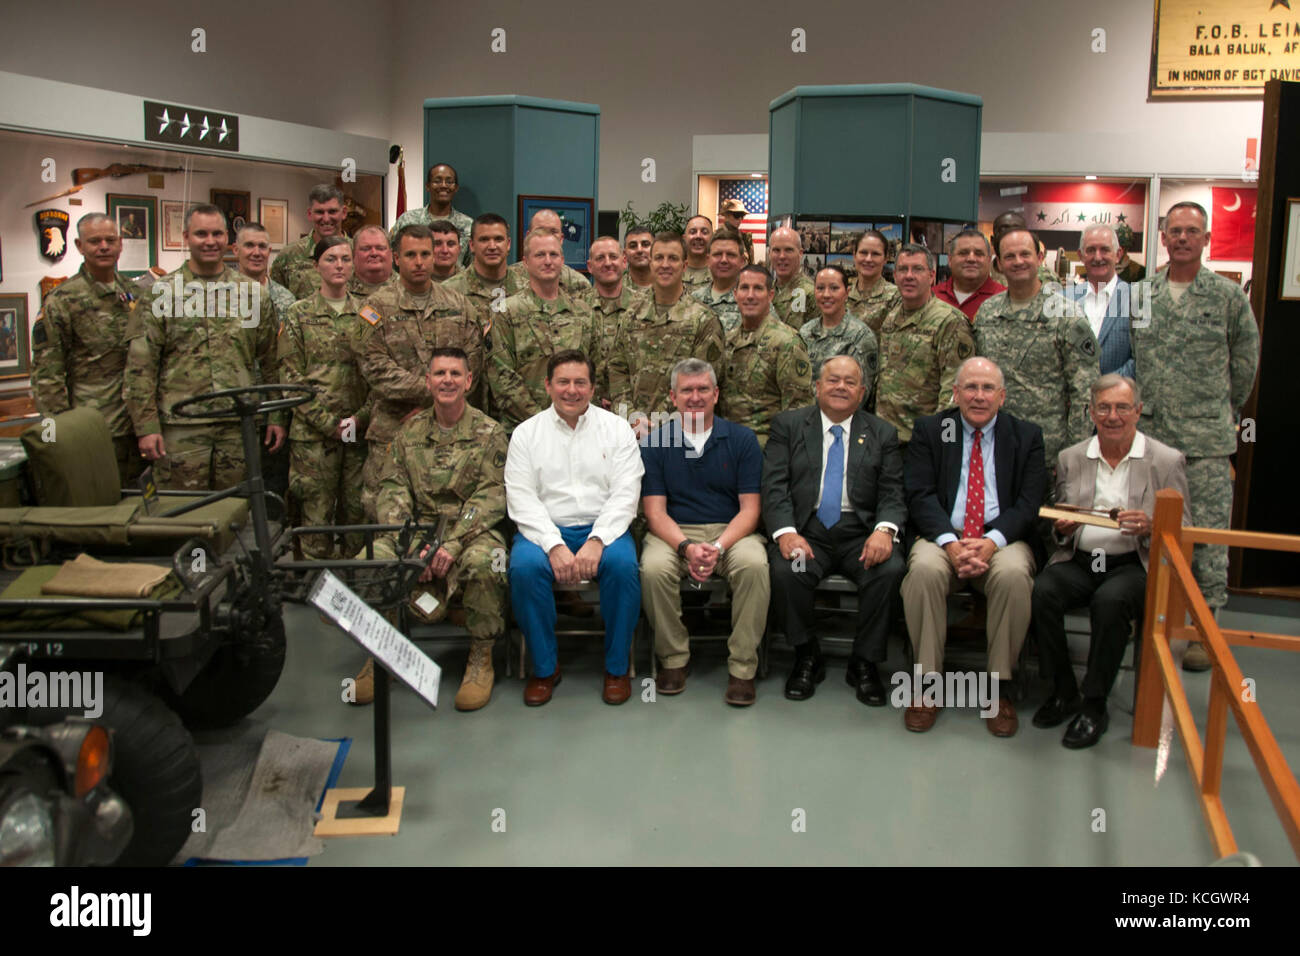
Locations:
(364, 689)
(476, 688)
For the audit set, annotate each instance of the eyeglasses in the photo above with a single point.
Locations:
(1105, 409)
(442, 182)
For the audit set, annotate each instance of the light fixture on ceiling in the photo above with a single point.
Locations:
(1089, 177)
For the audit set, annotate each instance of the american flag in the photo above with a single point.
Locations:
(753, 193)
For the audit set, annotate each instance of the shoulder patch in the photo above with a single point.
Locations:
(369, 313)
(964, 350)
(39, 335)
(1089, 346)
(801, 368)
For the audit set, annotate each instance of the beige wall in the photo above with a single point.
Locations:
(661, 72)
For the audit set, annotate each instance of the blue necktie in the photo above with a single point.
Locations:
(832, 481)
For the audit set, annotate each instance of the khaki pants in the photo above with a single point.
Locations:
(744, 565)
(1008, 584)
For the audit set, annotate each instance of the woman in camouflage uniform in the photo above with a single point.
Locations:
(837, 332)
(872, 295)
(317, 347)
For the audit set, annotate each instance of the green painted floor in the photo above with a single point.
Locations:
(689, 780)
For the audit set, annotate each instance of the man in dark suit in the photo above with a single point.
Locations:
(1105, 299)
(833, 503)
(974, 479)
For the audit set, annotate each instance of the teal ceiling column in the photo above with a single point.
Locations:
(504, 147)
(892, 149)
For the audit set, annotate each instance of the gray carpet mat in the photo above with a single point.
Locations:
(260, 789)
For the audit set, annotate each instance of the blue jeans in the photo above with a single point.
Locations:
(531, 580)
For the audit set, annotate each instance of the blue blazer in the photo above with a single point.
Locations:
(1114, 352)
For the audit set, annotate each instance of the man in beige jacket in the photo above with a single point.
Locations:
(1102, 568)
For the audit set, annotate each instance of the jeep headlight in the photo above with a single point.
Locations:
(26, 831)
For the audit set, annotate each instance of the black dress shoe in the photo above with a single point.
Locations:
(809, 671)
(1056, 710)
(870, 690)
(1085, 730)
(856, 670)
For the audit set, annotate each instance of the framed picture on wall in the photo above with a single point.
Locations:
(274, 214)
(173, 224)
(15, 353)
(137, 221)
(577, 217)
(1291, 252)
(237, 206)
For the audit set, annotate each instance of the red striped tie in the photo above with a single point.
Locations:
(974, 527)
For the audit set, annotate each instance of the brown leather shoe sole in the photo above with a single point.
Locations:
(671, 680)
(739, 692)
(617, 689)
(920, 719)
(538, 690)
(1006, 723)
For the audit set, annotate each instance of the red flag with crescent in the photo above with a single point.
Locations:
(1232, 223)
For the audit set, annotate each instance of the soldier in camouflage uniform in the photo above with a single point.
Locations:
(611, 298)
(835, 332)
(795, 303)
(486, 281)
(252, 255)
(174, 354)
(372, 262)
(731, 216)
(661, 330)
(450, 460)
(400, 327)
(571, 280)
(922, 342)
(446, 250)
(79, 341)
(294, 268)
(1044, 346)
(1007, 222)
(442, 184)
(766, 365)
(1196, 356)
(535, 324)
(726, 258)
(317, 347)
(636, 251)
(699, 230)
(871, 296)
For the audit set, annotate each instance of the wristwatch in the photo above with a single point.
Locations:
(718, 544)
(682, 546)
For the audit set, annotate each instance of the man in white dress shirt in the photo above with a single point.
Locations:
(1105, 299)
(573, 479)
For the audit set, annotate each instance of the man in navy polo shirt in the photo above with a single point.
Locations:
(700, 494)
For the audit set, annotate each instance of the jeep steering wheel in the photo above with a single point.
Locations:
(240, 402)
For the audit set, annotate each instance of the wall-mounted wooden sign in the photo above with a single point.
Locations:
(1223, 47)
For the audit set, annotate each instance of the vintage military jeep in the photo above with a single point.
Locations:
(204, 648)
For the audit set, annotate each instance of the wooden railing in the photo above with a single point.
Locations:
(1172, 593)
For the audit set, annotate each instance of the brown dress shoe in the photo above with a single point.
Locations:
(537, 690)
(671, 680)
(617, 689)
(1006, 723)
(739, 692)
(920, 719)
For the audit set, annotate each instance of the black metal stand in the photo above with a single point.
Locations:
(376, 802)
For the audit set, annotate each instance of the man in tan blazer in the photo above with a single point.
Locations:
(1104, 568)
